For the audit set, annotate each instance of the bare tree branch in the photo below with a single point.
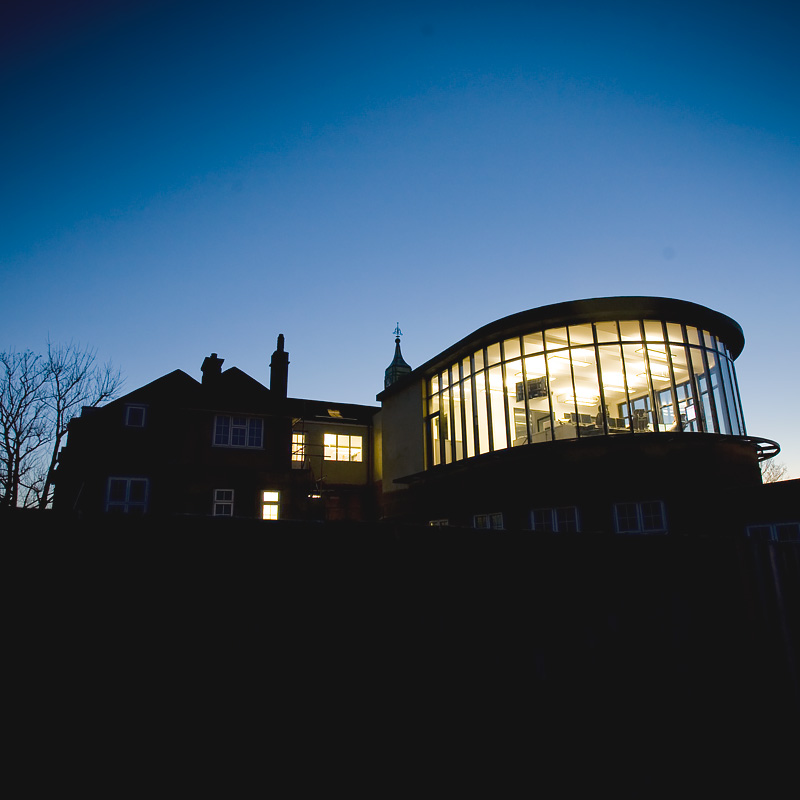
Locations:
(772, 471)
(23, 420)
(74, 381)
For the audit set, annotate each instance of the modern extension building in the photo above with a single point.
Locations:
(617, 414)
(610, 415)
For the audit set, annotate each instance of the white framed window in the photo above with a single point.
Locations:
(342, 447)
(299, 447)
(775, 532)
(135, 416)
(223, 502)
(438, 523)
(642, 517)
(488, 521)
(555, 520)
(127, 495)
(270, 502)
(238, 431)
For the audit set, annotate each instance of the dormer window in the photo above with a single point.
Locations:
(135, 416)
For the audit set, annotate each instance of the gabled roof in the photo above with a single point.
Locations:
(174, 388)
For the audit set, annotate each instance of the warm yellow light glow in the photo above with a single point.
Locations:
(271, 497)
(580, 358)
(655, 353)
(581, 400)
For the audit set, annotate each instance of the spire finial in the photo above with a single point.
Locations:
(397, 331)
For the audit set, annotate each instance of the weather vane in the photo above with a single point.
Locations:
(397, 331)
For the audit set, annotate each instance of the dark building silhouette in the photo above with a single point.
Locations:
(560, 517)
(613, 415)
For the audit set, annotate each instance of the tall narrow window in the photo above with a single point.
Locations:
(270, 501)
(298, 447)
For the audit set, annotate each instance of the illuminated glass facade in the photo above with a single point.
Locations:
(615, 377)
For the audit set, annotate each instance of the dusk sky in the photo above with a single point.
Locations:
(181, 178)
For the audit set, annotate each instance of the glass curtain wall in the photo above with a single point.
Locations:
(594, 379)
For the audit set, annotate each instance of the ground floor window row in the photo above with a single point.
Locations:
(639, 517)
(571, 384)
(223, 505)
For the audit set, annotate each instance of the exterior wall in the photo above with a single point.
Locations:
(402, 434)
(697, 481)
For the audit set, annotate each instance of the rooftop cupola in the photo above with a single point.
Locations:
(211, 368)
(398, 368)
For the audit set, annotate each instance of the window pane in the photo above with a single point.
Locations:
(606, 331)
(692, 335)
(788, 532)
(532, 343)
(458, 437)
(613, 387)
(498, 410)
(653, 331)
(254, 430)
(538, 390)
(483, 417)
(493, 354)
(271, 496)
(118, 490)
(555, 338)
(638, 416)
(580, 334)
(627, 517)
(566, 520)
(542, 519)
(138, 491)
(511, 349)
(674, 332)
(446, 427)
(652, 516)
(468, 418)
(630, 331)
(222, 431)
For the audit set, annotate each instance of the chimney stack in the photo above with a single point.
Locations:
(211, 369)
(279, 371)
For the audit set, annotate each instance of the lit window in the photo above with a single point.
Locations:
(341, 447)
(488, 521)
(223, 502)
(648, 517)
(558, 520)
(299, 447)
(777, 532)
(134, 416)
(238, 431)
(438, 523)
(269, 504)
(127, 495)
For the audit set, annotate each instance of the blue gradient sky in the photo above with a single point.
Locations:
(186, 177)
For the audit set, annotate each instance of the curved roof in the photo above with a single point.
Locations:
(597, 309)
